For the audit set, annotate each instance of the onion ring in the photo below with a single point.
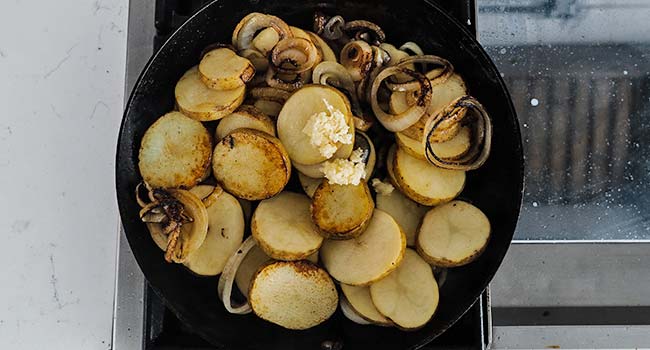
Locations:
(399, 122)
(294, 55)
(459, 111)
(436, 76)
(227, 278)
(249, 26)
(357, 57)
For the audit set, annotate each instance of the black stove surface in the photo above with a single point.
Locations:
(163, 331)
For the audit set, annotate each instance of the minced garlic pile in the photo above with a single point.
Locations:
(325, 130)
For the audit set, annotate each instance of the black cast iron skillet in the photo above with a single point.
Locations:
(496, 188)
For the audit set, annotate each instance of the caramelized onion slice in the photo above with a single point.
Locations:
(375, 35)
(439, 74)
(249, 26)
(294, 55)
(269, 94)
(401, 121)
(464, 111)
(357, 57)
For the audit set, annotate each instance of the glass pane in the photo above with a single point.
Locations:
(579, 75)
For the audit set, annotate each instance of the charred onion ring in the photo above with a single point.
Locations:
(437, 75)
(294, 55)
(249, 26)
(333, 28)
(465, 110)
(357, 58)
(399, 122)
(274, 80)
(360, 27)
(269, 94)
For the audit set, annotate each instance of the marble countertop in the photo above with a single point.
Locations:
(62, 68)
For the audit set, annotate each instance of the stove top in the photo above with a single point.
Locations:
(141, 320)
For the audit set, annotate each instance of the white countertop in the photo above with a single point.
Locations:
(62, 86)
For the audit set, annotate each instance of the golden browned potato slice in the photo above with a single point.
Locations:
(251, 164)
(282, 227)
(339, 209)
(406, 212)
(326, 51)
(363, 260)
(270, 108)
(223, 69)
(409, 295)
(413, 147)
(199, 102)
(295, 114)
(245, 117)
(293, 294)
(309, 184)
(255, 259)
(442, 95)
(453, 234)
(225, 235)
(455, 147)
(426, 183)
(360, 300)
(175, 152)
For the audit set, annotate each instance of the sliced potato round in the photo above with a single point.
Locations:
(338, 209)
(245, 117)
(442, 95)
(453, 234)
(225, 235)
(369, 257)
(350, 313)
(223, 69)
(309, 184)
(360, 300)
(409, 295)
(282, 227)
(411, 146)
(295, 114)
(326, 51)
(406, 212)
(270, 108)
(456, 147)
(266, 40)
(313, 170)
(199, 102)
(426, 183)
(294, 295)
(251, 164)
(175, 152)
(252, 262)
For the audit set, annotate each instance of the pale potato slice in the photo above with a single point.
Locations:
(309, 184)
(338, 209)
(225, 235)
(175, 152)
(251, 164)
(363, 260)
(456, 147)
(283, 228)
(245, 117)
(312, 170)
(199, 102)
(203, 191)
(409, 295)
(424, 182)
(270, 108)
(295, 114)
(326, 51)
(442, 95)
(406, 212)
(266, 40)
(360, 300)
(411, 146)
(223, 69)
(453, 234)
(350, 313)
(252, 262)
(293, 294)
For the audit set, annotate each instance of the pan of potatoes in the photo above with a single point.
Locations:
(315, 175)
